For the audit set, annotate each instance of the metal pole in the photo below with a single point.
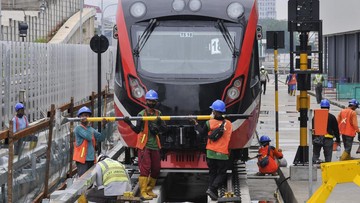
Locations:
(1, 35)
(303, 99)
(99, 90)
(102, 17)
(276, 91)
(81, 11)
(310, 154)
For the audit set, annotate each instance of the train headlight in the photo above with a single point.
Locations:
(137, 91)
(138, 9)
(233, 93)
(195, 5)
(235, 10)
(178, 5)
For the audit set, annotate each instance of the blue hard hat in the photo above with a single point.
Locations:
(264, 139)
(354, 102)
(218, 105)
(325, 103)
(151, 95)
(19, 106)
(83, 109)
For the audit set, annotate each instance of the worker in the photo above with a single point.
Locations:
(217, 148)
(291, 82)
(348, 127)
(20, 122)
(148, 145)
(326, 141)
(263, 78)
(266, 157)
(85, 141)
(111, 180)
(318, 82)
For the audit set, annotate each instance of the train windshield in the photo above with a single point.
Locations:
(186, 52)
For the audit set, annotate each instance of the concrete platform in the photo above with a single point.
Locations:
(292, 187)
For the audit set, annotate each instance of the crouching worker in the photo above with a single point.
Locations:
(111, 180)
(266, 157)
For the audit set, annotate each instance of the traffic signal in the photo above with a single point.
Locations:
(23, 27)
(259, 32)
(115, 32)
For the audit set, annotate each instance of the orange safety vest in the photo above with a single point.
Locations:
(222, 144)
(292, 80)
(80, 151)
(345, 122)
(273, 165)
(142, 137)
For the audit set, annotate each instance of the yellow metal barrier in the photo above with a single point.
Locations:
(336, 173)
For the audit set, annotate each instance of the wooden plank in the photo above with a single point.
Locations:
(31, 130)
(4, 134)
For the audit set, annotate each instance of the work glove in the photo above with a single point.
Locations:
(104, 122)
(193, 121)
(127, 120)
(158, 120)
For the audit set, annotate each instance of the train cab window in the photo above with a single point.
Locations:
(186, 52)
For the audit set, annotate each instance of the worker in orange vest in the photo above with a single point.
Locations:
(325, 141)
(85, 141)
(266, 157)
(348, 127)
(219, 131)
(148, 145)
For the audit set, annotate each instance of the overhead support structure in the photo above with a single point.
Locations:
(303, 16)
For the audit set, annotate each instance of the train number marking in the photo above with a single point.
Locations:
(214, 46)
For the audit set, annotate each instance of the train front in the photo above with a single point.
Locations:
(191, 52)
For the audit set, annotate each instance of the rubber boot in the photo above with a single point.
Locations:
(82, 199)
(344, 156)
(150, 187)
(32, 145)
(143, 186)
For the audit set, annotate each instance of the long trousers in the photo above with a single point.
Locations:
(149, 162)
(327, 147)
(217, 172)
(348, 141)
(318, 91)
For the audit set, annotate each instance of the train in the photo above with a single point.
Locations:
(191, 52)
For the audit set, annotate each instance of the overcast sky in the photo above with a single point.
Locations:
(281, 7)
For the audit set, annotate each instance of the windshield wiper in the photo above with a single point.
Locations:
(226, 34)
(144, 37)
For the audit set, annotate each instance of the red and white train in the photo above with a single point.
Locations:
(191, 52)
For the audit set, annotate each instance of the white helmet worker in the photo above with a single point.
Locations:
(102, 157)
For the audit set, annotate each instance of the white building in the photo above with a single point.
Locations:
(267, 9)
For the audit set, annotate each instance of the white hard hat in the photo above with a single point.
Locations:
(101, 157)
(262, 67)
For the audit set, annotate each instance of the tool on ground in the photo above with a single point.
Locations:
(153, 118)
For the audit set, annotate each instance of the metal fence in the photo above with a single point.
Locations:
(46, 74)
(348, 91)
